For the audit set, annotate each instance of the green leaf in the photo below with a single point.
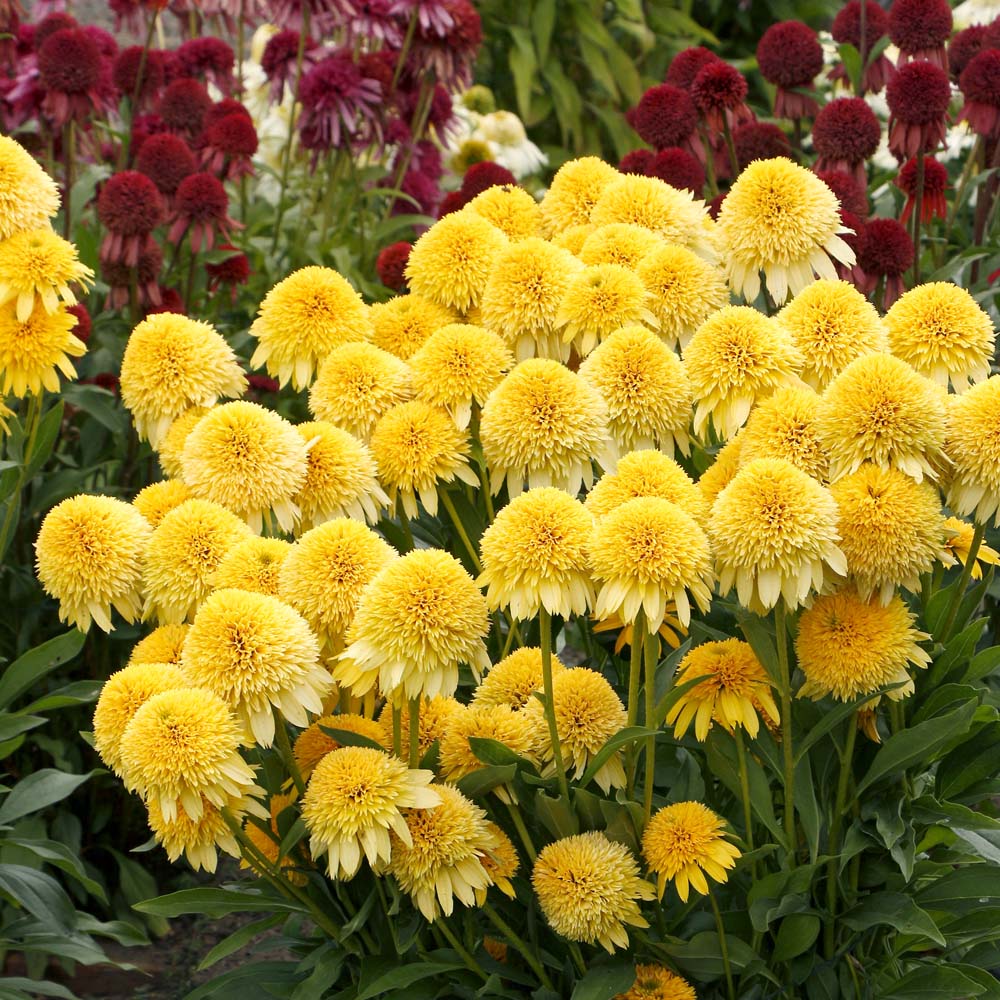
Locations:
(486, 779)
(555, 815)
(523, 68)
(256, 979)
(16, 987)
(978, 844)
(492, 751)
(543, 19)
(239, 939)
(39, 894)
(761, 641)
(14, 725)
(933, 982)
(38, 790)
(37, 662)
(972, 886)
(605, 982)
(215, 903)
(346, 738)
(401, 977)
(45, 440)
(834, 716)
(60, 856)
(851, 59)
(619, 740)
(701, 957)
(892, 909)
(797, 933)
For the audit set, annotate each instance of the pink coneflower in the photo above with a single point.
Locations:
(427, 159)
(208, 59)
(853, 197)
(24, 94)
(719, 92)
(228, 146)
(451, 55)
(229, 273)
(932, 202)
(183, 106)
(391, 265)
(846, 28)
(125, 72)
(129, 207)
(980, 86)
(885, 251)
(920, 29)
(759, 141)
(666, 116)
(338, 104)
(433, 16)
(128, 15)
(845, 135)
(69, 69)
(201, 210)
(637, 162)
(280, 59)
(374, 20)
(918, 97)
(289, 14)
(686, 65)
(117, 276)
(166, 159)
(678, 168)
(441, 117)
(789, 56)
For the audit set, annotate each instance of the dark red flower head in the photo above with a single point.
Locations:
(665, 116)
(118, 274)
(170, 302)
(184, 104)
(685, 66)
(49, 25)
(391, 264)
(919, 93)
(126, 69)
(846, 130)
(637, 162)
(233, 135)
(105, 380)
(202, 198)
(885, 249)
(338, 103)
(453, 201)
(261, 383)
(918, 26)
(442, 112)
(130, 204)
(418, 188)
(104, 41)
(992, 36)
(69, 62)
(449, 55)
(378, 66)
(83, 324)
(789, 54)
(678, 168)
(759, 141)
(281, 57)
(427, 159)
(851, 195)
(482, 176)
(932, 202)
(846, 25)
(718, 87)
(144, 126)
(166, 159)
(207, 57)
(963, 46)
(715, 204)
(232, 271)
(980, 80)
(223, 109)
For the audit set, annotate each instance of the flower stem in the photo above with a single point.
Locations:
(651, 649)
(414, 732)
(397, 731)
(404, 523)
(781, 638)
(723, 947)
(285, 749)
(956, 601)
(32, 419)
(470, 962)
(734, 163)
(741, 759)
(918, 211)
(522, 830)
(545, 628)
(634, 672)
(449, 505)
(833, 847)
(518, 943)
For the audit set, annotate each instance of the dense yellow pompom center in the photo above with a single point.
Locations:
(34, 351)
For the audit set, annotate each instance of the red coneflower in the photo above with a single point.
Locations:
(223, 109)
(845, 134)
(208, 59)
(166, 159)
(419, 188)
(143, 127)
(853, 197)
(84, 325)
(433, 16)
(104, 41)
(666, 116)
(686, 65)
(125, 72)
(453, 201)
(376, 20)
(918, 97)
(129, 207)
(919, 29)
(933, 202)
(481, 177)
(261, 384)
(856, 225)
(391, 263)
(678, 168)
(427, 159)
(338, 104)
(441, 116)
(964, 46)
(117, 276)
(450, 55)
(231, 272)
(280, 58)
(789, 56)
(289, 14)
(105, 380)
(980, 86)
(69, 69)
(378, 66)
(201, 210)
(10, 26)
(183, 106)
(170, 302)
(638, 161)
(228, 146)
(719, 92)
(760, 141)
(49, 25)
(885, 251)
(846, 29)
(128, 15)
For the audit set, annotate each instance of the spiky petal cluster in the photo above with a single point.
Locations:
(39, 267)
(514, 679)
(974, 449)
(784, 426)
(35, 351)
(28, 196)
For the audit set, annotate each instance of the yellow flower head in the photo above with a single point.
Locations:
(302, 319)
(33, 352)
(416, 622)
(574, 191)
(722, 471)
(354, 798)
(587, 887)
(170, 451)
(831, 323)
(684, 290)
(735, 689)
(498, 722)
(172, 363)
(737, 357)
(974, 449)
(198, 840)
(781, 219)
(89, 556)
(326, 572)
(645, 553)
(588, 713)
(654, 982)
(123, 694)
(401, 325)
(572, 239)
(683, 843)
(879, 410)
(452, 261)
(646, 474)
(157, 500)
(313, 744)
(253, 564)
(773, 531)
(942, 331)
(526, 287)
(437, 717)
(645, 388)
(958, 546)
(181, 750)
(510, 208)
(257, 654)
(41, 265)
(891, 529)
(442, 855)
(248, 459)
(514, 679)
(501, 863)
(416, 446)
(534, 555)
(600, 299)
(28, 196)
(162, 645)
(848, 647)
(784, 426)
(183, 554)
(619, 243)
(544, 424)
(458, 366)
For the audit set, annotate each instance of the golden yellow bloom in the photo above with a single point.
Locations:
(257, 654)
(269, 843)
(574, 191)
(122, 695)
(646, 474)
(501, 864)
(645, 388)
(458, 366)
(253, 564)
(737, 357)
(587, 887)
(326, 572)
(544, 424)
(588, 713)
(721, 472)
(832, 323)
(416, 622)
(510, 208)
(735, 689)
(499, 722)
(441, 857)
(198, 840)
(654, 982)
(183, 554)
(670, 630)
(5, 414)
(181, 749)
(534, 555)
(157, 500)
(958, 545)
(452, 261)
(162, 645)
(170, 450)
(172, 363)
(28, 196)
(39, 264)
(313, 744)
(784, 426)
(645, 553)
(683, 843)
(781, 219)
(514, 679)
(974, 449)
(521, 300)
(942, 331)
(34, 351)
(248, 459)
(879, 410)
(401, 325)
(354, 799)
(302, 319)
(773, 531)
(891, 529)
(619, 243)
(848, 647)
(437, 716)
(89, 556)
(572, 239)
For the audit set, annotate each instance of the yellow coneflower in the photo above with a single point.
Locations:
(313, 744)
(28, 196)
(198, 840)
(513, 680)
(574, 191)
(436, 718)
(572, 239)
(784, 426)
(37, 269)
(170, 449)
(501, 864)
(958, 545)
(722, 471)
(654, 982)
(974, 450)
(157, 500)
(401, 325)
(162, 645)
(253, 564)
(33, 352)
(619, 243)
(510, 208)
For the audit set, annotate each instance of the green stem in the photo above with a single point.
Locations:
(785, 673)
(577, 956)
(713, 186)
(449, 505)
(734, 163)
(651, 649)
(414, 732)
(741, 759)
(833, 847)
(397, 731)
(956, 601)
(404, 523)
(723, 947)
(522, 831)
(545, 628)
(32, 419)
(518, 943)
(137, 90)
(634, 673)
(918, 210)
(470, 962)
(285, 749)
